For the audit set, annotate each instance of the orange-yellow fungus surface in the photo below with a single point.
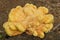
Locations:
(30, 19)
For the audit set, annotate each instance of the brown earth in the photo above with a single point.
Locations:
(52, 5)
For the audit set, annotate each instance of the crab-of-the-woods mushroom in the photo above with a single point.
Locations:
(30, 19)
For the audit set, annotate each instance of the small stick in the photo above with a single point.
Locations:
(56, 27)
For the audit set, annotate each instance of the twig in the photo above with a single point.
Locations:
(56, 27)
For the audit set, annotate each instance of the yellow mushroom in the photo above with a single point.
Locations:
(20, 27)
(49, 27)
(48, 18)
(40, 34)
(12, 26)
(9, 31)
(29, 9)
(35, 20)
(16, 13)
(35, 33)
(43, 10)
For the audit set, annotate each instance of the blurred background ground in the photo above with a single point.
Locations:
(52, 5)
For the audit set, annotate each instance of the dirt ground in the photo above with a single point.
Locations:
(52, 5)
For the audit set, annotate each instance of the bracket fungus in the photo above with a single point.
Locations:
(36, 20)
